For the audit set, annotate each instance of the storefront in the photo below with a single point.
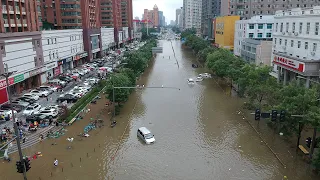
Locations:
(37, 77)
(95, 46)
(49, 70)
(14, 86)
(66, 64)
(57, 70)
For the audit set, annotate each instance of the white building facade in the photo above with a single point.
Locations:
(107, 38)
(20, 53)
(296, 53)
(258, 28)
(192, 14)
(62, 50)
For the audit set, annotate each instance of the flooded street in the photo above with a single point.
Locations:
(199, 136)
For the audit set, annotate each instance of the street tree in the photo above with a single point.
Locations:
(202, 54)
(118, 80)
(219, 62)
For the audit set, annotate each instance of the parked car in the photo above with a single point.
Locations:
(36, 117)
(26, 99)
(57, 81)
(51, 113)
(55, 87)
(11, 106)
(32, 109)
(67, 97)
(80, 89)
(78, 94)
(31, 96)
(65, 78)
(47, 88)
(41, 93)
(7, 113)
(20, 103)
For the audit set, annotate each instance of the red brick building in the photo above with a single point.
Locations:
(19, 16)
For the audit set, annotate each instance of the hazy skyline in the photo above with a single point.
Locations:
(167, 6)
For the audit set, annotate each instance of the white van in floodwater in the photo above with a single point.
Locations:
(144, 134)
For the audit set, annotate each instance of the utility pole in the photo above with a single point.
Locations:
(136, 87)
(7, 74)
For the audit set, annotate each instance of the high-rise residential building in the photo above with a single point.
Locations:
(192, 14)
(152, 15)
(164, 21)
(172, 23)
(19, 16)
(210, 10)
(178, 13)
(249, 8)
(161, 18)
(224, 31)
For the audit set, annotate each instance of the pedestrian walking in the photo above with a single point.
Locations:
(55, 162)
(41, 137)
(47, 98)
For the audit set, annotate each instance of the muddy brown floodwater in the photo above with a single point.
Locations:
(199, 135)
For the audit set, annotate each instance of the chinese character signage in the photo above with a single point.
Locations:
(289, 63)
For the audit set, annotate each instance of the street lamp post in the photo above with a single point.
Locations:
(7, 74)
(136, 87)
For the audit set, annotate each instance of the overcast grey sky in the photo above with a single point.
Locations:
(167, 6)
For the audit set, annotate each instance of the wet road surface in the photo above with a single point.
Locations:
(199, 135)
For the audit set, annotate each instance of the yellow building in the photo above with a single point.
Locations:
(224, 31)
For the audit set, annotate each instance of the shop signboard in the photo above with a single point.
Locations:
(75, 58)
(51, 66)
(37, 71)
(18, 78)
(289, 63)
(3, 83)
(3, 96)
(85, 54)
(56, 71)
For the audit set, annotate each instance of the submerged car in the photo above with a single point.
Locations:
(144, 134)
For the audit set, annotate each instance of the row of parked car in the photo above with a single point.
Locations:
(27, 103)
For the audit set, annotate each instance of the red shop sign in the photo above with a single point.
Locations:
(56, 71)
(289, 63)
(3, 96)
(3, 83)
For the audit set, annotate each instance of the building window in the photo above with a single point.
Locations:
(314, 48)
(316, 30)
(53, 56)
(259, 35)
(306, 45)
(269, 26)
(48, 41)
(280, 41)
(275, 41)
(308, 28)
(35, 61)
(55, 40)
(299, 44)
(281, 27)
(293, 27)
(287, 27)
(285, 42)
(300, 27)
(251, 26)
(250, 35)
(268, 35)
(260, 26)
(49, 54)
(292, 43)
(276, 27)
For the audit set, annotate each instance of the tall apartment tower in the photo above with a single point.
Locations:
(192, 14)
(210, 9)
(70, 14)
(248, 8)
(152, 15)
(178, 13)
(19, 16)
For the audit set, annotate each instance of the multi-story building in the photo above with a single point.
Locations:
(152, 15)
(249, 8)
(296, 42)
(258, 27)
(19, 16)
(76, 14)
(161, 23)
(21, 52)
(178, 13)
(192, 14)
(210, 10)
(224, 31)
(107, 38)
(62, 50)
